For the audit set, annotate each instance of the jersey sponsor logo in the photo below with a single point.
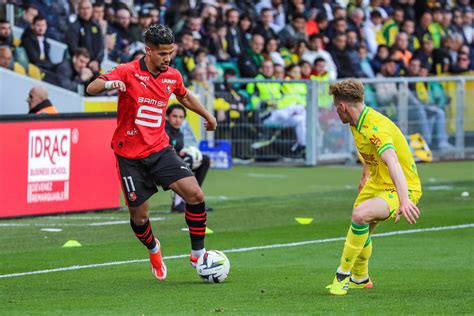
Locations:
(49, 154)
(142, 78)
(168, 81)
(369, 159)
(150, 101)
(132, 132)
(376, 141)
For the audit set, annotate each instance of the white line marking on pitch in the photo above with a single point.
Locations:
(292, 244)
(264, 175)
(218, 197)
(82, 218)
(73, 225)
(440, 187)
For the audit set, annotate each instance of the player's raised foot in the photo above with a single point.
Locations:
(367, 284)
(193, 260)
(339, 285)
(158, 266)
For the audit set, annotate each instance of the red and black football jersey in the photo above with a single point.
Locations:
(142, 108)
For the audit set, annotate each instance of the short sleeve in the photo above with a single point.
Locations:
(180, 89)
(381, 138)
(118, 73)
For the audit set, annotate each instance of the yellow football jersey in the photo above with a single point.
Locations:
(373, 135)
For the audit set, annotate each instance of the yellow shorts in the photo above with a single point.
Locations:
(389, 194)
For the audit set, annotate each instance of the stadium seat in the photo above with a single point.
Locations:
(370, 97)
(34, 72)
(20, 56)
(66, 55)
(16, 42)
(19, 69)
(223, 65)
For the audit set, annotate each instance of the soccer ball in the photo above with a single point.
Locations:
(196, 156)
(213, 266)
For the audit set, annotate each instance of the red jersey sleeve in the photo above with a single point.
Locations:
(180, 89)
(118, 73)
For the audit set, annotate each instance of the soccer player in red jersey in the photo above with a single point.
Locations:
(144, 157)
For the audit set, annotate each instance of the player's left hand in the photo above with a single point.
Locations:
(409, 211)
(211, 124)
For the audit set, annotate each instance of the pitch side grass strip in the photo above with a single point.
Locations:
(245, 249)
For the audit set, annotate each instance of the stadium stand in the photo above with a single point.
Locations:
(354, 39)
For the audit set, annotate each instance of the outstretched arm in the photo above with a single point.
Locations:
(407, 208)
(190, 102)
(100, 85)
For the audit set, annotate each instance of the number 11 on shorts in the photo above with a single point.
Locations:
(129, 183)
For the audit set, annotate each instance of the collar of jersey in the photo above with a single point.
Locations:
(145, 68)
(361, 119)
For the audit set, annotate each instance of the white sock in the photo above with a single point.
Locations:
(340, 272)
(359, 281)
(177, 200)
(156, 249)
(198, 253)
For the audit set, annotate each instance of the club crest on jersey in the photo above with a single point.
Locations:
(168, 89)
(132, 196)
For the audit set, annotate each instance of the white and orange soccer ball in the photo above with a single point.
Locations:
(213, 266)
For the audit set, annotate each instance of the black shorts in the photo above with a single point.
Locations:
(140, 177)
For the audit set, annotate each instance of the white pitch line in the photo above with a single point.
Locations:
(293, 244)
(81, 218)
(265, 175)
(73, 225)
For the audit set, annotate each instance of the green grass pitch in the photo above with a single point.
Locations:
(424, 272)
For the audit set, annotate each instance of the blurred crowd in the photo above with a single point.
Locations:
(348, 38)
(264, 39)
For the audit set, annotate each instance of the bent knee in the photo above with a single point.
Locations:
(196, 196)
(138, 216)
(360, 217)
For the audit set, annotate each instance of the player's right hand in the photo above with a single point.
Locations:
(115, 85)
(409, 211)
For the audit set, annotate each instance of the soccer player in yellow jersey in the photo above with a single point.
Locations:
(389, 187)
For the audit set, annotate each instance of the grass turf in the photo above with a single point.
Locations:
(427, 272)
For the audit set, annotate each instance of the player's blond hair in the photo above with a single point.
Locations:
(349, 90)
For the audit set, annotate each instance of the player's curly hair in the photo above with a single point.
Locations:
(349, 90)
(158, 34)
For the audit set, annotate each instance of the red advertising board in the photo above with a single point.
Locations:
(57, 165)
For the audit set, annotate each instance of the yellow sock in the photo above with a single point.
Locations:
(360, 271)
(355, 240)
